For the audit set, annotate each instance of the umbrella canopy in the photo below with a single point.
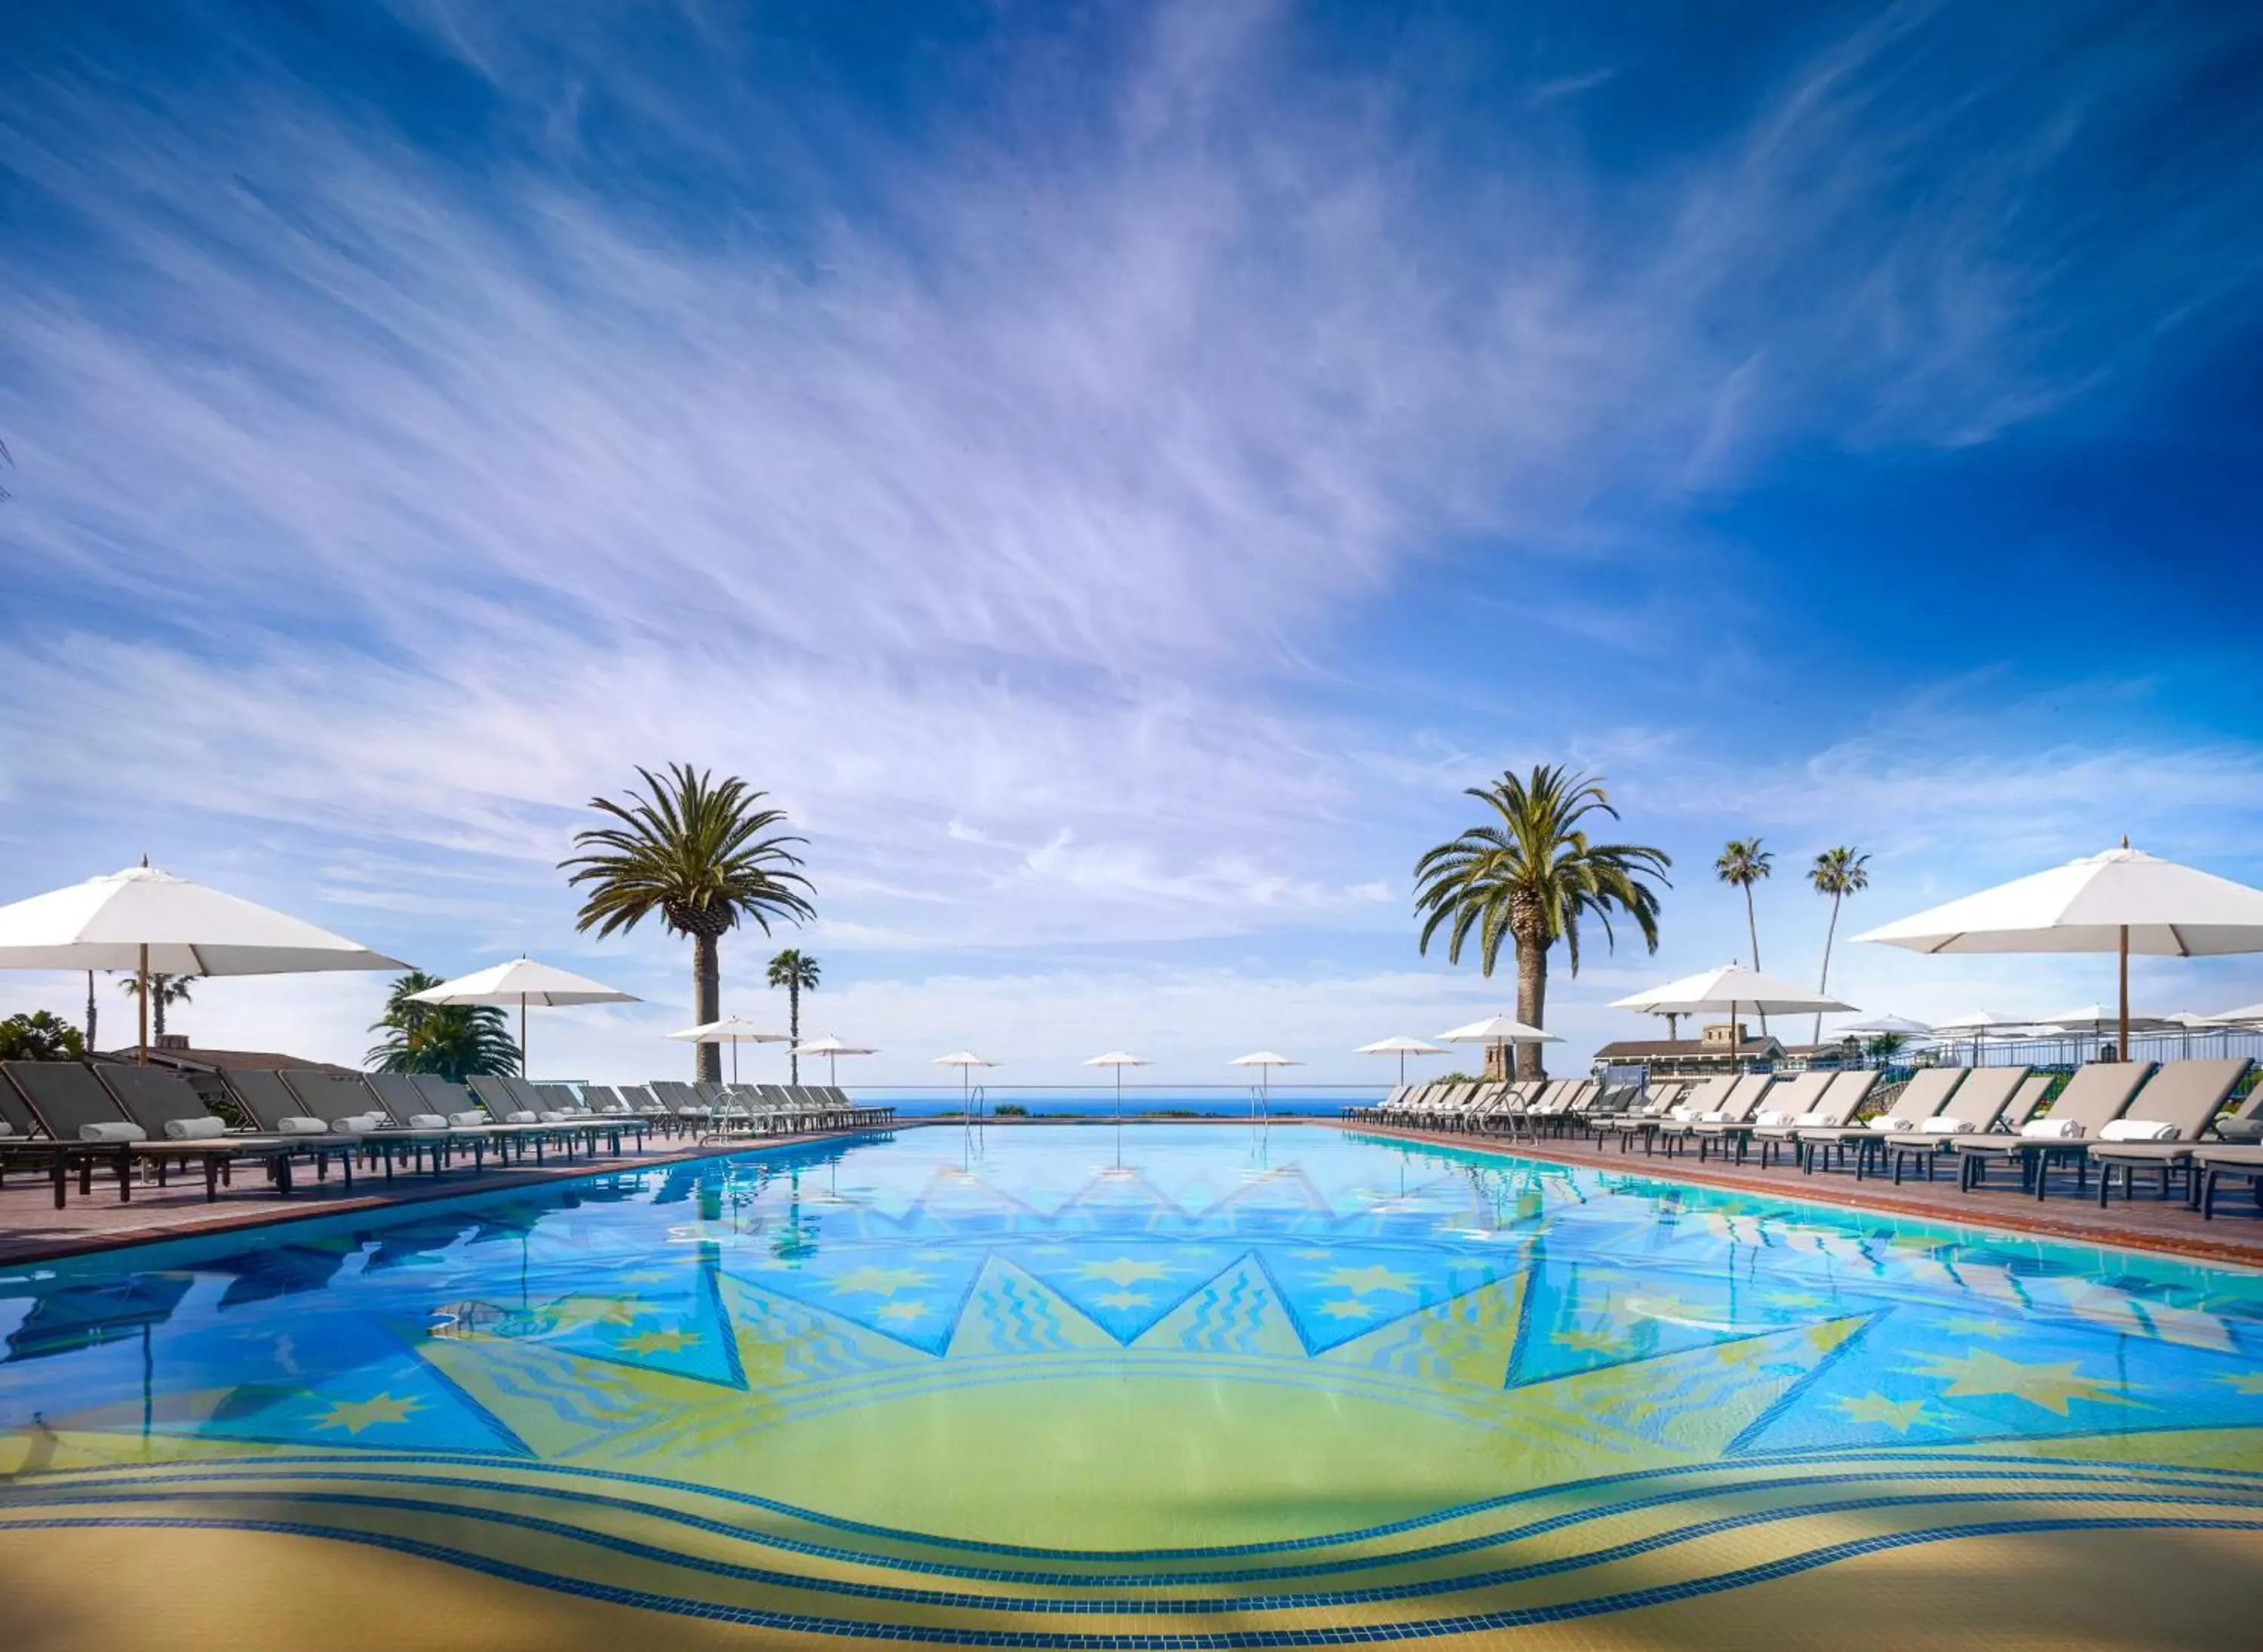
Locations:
(2251, 1013)
(522, 982)
(1119, 1059)
(1402, 1047)
(1731, 987)
(832, 1049)
(1975, 1021)
(966, 1061)
(1872, 1026)
(734, 1031)
(2098, 1017)
(1498, 1029)
(2123, 901)
(152, 923)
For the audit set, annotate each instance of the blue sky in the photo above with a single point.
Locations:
(1114, 474)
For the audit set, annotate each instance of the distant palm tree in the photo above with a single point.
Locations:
(797, 972)
(695, 853)
(1530, 875)
(163, 989)
(1743, 864)
(39, 1036)
(1837, 873)
(454, 1040)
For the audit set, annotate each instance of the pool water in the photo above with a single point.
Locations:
(1182, 1385)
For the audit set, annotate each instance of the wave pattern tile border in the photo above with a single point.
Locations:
(1290, 1389)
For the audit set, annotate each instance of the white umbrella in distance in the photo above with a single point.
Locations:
(832, 1049)
(2247, 1016)
(1731, 987)
(1264, 1061)
(154, 923)
(2123, 901)
(1119, 1059)
(1402, 1047)
(1874, 1025)
(966, 1061)
(522, 982)
(1498, 1029)
(734, 1031)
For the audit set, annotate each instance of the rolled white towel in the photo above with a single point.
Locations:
(2138, 1130)
(518, 1118)
(552, 1117)
(295, 1126)
(2051, 1129)
(109, 1131)
(1941, 1124)
(363, 1123)
(2240, 1129)
(1890, 1125)
(1776, 1116)
(6, 1129)
(467, 1120)
(195, 1129)
(428, 1121)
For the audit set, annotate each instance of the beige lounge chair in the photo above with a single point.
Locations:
(2178, 1105)
(2098, 1094)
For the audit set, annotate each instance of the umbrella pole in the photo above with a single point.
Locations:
(141, 983)
(2122, 1052)
(521, 1035)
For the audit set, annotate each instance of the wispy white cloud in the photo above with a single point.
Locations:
(1008, 503)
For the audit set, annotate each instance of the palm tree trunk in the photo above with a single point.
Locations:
(157, 1003)
(793, 1028)
(707, 988)
(89, 1012)
(1531, 1001)
(1823, 982)
(1753, 932)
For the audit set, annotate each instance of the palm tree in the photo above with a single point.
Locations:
(454, 1040)
(40, 1036)
(1837, 873)
(1743, 864)
(163, 989)
(797, 972)
(695, 853)
(1530, 874)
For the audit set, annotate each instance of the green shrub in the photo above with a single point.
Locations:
(1010, 1110)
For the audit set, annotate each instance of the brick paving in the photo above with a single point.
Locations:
(2146, 1223)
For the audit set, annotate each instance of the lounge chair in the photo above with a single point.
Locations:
(1732, 1120)
(1705, 1095)
(26, 1141)
(1643, 1118)
(1796, 1100)
(2164, 1125)
(69, 1102)
(348, 1101)
(165, 1105)
(2098, 1094)
(1834, 1111)
(1921, 1101)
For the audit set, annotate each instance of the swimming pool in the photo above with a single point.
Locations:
(1245, 1387)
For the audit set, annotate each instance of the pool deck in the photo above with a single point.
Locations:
(32, 1229)
(2147, 1222)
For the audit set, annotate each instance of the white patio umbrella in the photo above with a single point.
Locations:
(2245, 1016)
(1264, 1061)
(522, 982)
(1119, 1059)
(2122, 901)
(1731, 987)
(154, 923)
(1402, 1047)
(1498, 1029)
(1873, 1025)
(966, 1061)
(832, 1049)
(731, 1030)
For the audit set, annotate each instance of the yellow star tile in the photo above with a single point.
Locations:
(598, 1310)
(353, 1415)
(1124, 1298)
(660, 1342)
(1899, 1415)
(1992, 1329)
(1122, 1271)
(2249, 1382)
(1360, 1281)
(881, 1281)
(903, 1311)
(1349, 1308)
(1980, 1373)
(1312, 1256)
(1795, 1300)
